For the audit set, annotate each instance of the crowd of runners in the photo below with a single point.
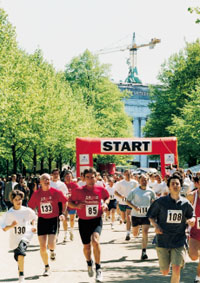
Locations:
(171, 204)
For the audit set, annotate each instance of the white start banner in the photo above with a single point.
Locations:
(126, 145)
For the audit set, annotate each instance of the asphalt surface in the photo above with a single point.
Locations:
(120, 260)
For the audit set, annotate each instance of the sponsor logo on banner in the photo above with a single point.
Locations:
(126, 146)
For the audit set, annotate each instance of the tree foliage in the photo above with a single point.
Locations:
(43, 111)
(179, 80)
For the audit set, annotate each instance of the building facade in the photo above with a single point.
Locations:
(136, 106)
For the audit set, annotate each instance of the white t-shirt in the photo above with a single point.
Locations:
(22, 230)
(59, 185)
(151, 184)
(142, 199)
(161, 188)
(111, 191)
(124, 187)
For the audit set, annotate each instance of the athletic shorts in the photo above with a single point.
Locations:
(112, 204)
(47, 226)
(88, 227)
(123, 207)
(71, 211)
(174, 256)
(136, 221)
(20, 250)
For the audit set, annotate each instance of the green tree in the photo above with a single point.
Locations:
(100, 96)
(187, 129)
(178, 77)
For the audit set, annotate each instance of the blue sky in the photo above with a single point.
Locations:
(65, 28)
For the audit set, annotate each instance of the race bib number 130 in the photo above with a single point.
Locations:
(174, 216)
(91, 210)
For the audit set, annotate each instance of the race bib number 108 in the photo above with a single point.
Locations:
(91, 210)
(174, 216)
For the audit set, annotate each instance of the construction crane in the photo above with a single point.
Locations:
(132, 61)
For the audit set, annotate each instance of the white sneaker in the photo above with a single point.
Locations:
(71, 236)
(52, 255)
(112, 226)
(46, 271)
(21, 279)
(99, 276)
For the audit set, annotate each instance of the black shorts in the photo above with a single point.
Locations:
(112, 204)
(88, 227)
(47, 226)
(136, 221)
(21, 249)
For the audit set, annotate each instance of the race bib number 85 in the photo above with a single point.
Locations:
(91, 210)
(174, 216)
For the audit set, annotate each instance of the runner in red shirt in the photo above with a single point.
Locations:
(88, 202)
(194, 241)
(46, 200)
(68, 178)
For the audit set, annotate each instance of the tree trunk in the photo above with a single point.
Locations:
(7, 168)
(14, 159)
(42, 165)
(34, 160)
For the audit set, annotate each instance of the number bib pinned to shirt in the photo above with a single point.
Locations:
(92, 210)
(174, 216)
(143, 210)
(198, 222)
(46, 208)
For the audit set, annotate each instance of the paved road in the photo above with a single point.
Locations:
(120, 261)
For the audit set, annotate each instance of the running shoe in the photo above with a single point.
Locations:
(71, 236)
(99, 276)
(90, 270)
(46, 271)
(112, 226)
(53, 256)
(196, 281)
(21, 279)
(144, 256)
(127, 237)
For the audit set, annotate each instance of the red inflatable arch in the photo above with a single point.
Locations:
(86, 147)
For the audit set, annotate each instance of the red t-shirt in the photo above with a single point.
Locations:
(71, 187)
(91, 198)
(47, 202)
(195, 231)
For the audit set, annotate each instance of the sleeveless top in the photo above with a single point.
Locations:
(195, 231)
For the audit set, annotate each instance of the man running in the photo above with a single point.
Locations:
(88, 202)
(169, 215)
(122, 189)
(194, 241)
(56, 183)
(72, 212)
(46, 201)
(140, 200)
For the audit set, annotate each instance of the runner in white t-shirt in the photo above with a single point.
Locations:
(18, 220)
(122, 189)
(61, 186)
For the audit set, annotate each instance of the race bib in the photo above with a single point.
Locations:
(46, 208)
(19, 230)
(112, 197)
(143, 210)
(92, 210)
(174, 216)
(198, 222)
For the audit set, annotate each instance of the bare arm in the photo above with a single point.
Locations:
(8, 227)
